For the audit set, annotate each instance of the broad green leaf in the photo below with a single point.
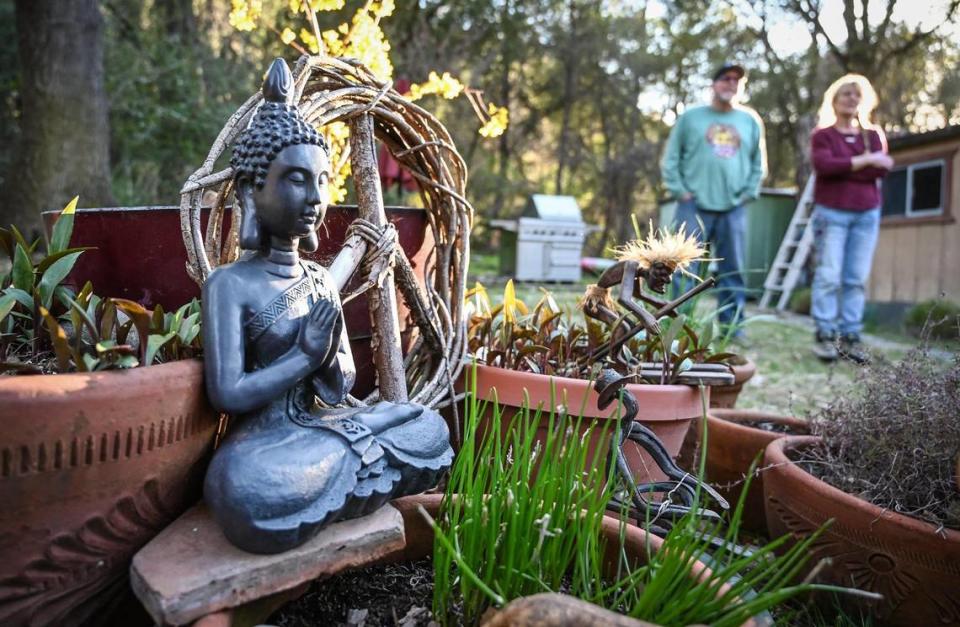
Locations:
(192, 335)
(90, 362)
(157, 320)
(108, 321)
(22, 269)
(186, 326)
(80, 316)
(63, 228)
(21, 297)
(49, 260)
(54, 275)
(7, 301)
(18, 236)
(61, 346)
(154, 344)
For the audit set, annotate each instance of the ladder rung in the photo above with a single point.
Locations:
(792, 253)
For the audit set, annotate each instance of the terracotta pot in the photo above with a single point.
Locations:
(725, 396)
(666, 409)
(731, 448)
(915, 566)
(91, 467)
(152, 270)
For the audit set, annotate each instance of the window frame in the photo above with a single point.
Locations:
(944, 158)
(909, 211)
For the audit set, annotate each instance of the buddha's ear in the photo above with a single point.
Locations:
(249, 224)
(310, 243)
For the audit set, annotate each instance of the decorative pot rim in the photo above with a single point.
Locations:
(743, 372)
(655, 399)
(731, 418)
(776, 457)
(71, 382)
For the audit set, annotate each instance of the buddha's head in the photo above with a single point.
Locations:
(281, 170)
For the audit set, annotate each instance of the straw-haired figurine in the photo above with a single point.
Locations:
(641, 263)
(277, 357)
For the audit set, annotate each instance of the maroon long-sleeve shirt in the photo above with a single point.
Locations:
(838, 186)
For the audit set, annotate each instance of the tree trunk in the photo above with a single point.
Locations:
(64, 141)
(569, 57)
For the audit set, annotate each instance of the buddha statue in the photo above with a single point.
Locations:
(277, 358)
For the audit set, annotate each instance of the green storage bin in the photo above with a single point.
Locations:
(767, 220)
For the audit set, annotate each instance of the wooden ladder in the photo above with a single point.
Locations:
(793, 252)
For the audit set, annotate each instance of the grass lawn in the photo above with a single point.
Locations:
(789, 379)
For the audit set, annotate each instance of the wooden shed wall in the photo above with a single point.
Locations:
(919, 259)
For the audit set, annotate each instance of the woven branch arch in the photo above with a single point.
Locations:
(334, 89)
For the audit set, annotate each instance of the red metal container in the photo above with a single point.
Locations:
(140, 256)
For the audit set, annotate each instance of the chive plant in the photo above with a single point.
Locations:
(522, 516)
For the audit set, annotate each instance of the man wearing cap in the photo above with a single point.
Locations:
(713, 164)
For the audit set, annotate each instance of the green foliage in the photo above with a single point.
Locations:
(46, 327)
(547, 339)
(521, 517)
(937, 317)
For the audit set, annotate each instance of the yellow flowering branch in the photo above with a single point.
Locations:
(363, 39)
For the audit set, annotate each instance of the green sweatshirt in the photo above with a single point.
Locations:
(719, 157)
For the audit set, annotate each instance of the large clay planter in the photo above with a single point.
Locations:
(666, 409)
(91, 467)
(913, 565)
(140, 256)
(731, 448)
(725, 396)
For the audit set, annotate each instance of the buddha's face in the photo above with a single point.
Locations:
(293, 199)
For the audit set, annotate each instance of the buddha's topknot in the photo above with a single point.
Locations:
(274, 127)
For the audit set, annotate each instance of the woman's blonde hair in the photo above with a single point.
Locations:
(826, 116)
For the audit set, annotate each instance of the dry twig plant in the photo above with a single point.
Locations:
(895, 441)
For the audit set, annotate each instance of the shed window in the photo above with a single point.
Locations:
(915, 190)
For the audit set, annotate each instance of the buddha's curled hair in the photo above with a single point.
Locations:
(275, 126)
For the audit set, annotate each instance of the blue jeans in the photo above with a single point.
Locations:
(845, 241)
(725, 231)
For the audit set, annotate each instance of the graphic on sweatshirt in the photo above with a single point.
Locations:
(724, 139)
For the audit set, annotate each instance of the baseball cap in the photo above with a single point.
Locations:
(728, 66)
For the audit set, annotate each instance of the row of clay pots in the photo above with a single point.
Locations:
(914, 565)
(734, 442)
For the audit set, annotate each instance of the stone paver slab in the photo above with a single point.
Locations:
(190, 569)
